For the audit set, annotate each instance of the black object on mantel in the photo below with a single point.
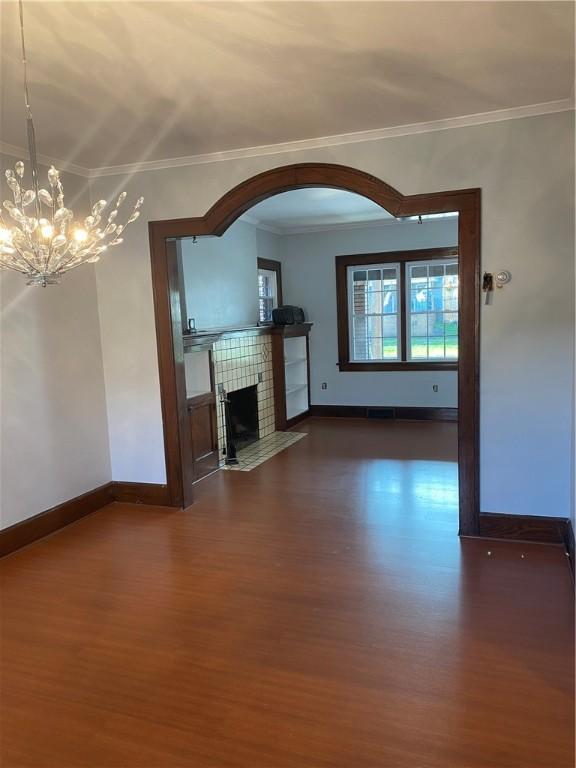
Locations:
(288, 315)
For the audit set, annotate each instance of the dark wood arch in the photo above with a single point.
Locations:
(237, 201)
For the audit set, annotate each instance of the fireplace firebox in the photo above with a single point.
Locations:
(242, 413)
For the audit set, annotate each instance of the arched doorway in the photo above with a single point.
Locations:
(217, 220)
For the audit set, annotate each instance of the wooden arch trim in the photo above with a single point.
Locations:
(237, 201)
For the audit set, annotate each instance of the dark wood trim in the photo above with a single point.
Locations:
(279, 381)
(533, 528)
(274, 266)
(393, 257)
(34, 528)
(547, 530)
(342, 319)
(181, 283)
(206, 398)
(154, 494)
(426, 414)
(400, 413)
(466, 202)
(396, 365)
(297, 329)
(569, 547)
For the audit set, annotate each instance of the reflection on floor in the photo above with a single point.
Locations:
(262, 450)
(317, 612)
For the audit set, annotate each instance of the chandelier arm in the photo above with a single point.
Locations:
(13, 267)
(22, 258)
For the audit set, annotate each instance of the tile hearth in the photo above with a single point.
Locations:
(257, 453)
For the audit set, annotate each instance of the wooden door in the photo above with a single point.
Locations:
(204, 433)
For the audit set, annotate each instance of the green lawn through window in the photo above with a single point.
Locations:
(423, 348)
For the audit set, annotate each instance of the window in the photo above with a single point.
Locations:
(432, 310)
(374, 312)
(269, 288)
(398, 310)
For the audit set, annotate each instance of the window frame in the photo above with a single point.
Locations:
(270, 265)
(345, 363)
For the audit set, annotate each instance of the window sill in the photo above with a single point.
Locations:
(399, 365)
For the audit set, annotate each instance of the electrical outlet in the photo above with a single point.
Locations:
(435, 387)
(260, 377)
(324, 385)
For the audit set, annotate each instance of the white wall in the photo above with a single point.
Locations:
(269, 245)
(309, 281)
(54, 436)
(524, 168)
(221, 278)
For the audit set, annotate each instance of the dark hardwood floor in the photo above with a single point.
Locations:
(317, 612)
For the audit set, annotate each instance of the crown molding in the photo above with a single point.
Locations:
(330, 227)
(62, 165)
(255, 222)
(358, 225)
(465, 121)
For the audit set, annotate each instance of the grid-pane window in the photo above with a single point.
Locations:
(432, 310)
(267, 294)
(374, 312)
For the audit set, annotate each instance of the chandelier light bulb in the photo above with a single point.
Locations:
(46, 229)
(80, 235)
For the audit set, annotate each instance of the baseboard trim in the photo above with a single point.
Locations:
(395, 412)
(569, 547)
(546, 530)
(141, 493)
(34, 528)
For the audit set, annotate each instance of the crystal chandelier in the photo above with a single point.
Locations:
(43, 241)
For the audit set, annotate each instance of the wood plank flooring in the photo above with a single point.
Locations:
(317, 612)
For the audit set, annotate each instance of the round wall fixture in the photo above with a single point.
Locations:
(503, 278)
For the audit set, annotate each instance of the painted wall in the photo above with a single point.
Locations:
(221, 278)
(525, 170)
(309, 280)
(54, 435)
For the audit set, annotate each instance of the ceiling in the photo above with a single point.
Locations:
(315, 208)
(122, 82)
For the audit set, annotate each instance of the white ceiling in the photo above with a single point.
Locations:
(303, 209)
(121, 82)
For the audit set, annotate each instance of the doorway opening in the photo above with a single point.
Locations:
(390, 314)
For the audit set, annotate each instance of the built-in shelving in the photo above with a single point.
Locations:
(290, 362)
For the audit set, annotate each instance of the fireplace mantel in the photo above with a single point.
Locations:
(206, 338)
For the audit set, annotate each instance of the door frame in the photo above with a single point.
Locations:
(167, 308)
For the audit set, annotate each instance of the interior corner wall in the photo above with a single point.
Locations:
(54, 436)
(309, 281)
(525, 170)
